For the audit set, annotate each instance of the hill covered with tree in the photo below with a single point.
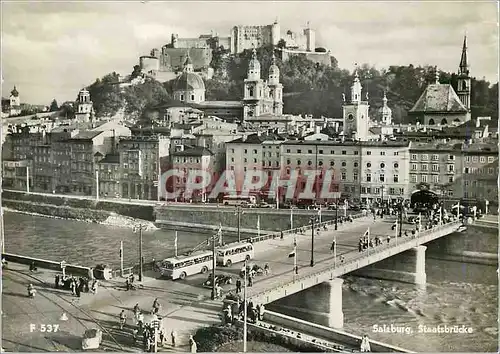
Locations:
(317, 89)
(309, 88)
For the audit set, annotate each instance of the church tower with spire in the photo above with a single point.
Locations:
(355, 113)
(464, 80)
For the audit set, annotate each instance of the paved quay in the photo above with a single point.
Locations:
(186, 306)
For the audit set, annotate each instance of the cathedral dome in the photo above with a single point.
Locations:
(188, 81)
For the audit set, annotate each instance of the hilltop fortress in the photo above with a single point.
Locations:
(167, 63)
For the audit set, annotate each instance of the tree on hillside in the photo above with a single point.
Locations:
(67, 111)
(281, 43)
(317, 89)
(53, 106)
(106, 96)
(136, 72)
(143, 96)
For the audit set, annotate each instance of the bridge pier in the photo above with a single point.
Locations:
(409, 267)
(320, 304)
(334, 316)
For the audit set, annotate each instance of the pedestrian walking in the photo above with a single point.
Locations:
(332, 248)
(261, 310)
(192, 345)
(238, 286)
(137, 310)
(365, 344)
(56, 281)
(173, 336)
(250, 281)
(140, 321)
(123, 319)
(266, 269)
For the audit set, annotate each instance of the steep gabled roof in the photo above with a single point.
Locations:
(439, 98)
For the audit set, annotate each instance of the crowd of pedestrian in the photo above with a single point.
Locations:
(234, 309)
(76, 285)
(146, 333)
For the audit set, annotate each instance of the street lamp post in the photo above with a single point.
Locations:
(97, 184)
(214, 265)
(27, 179)
(401, 219)
(336, 212)
(238, 212)
(382, 212)
(245, 310)
(312, 241)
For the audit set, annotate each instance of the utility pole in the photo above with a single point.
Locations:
(238, 211)
(336, 212)
(401, 220)
(312, 242)
(97, 184)
(245, 310)
(139, 228)
(213, 267)
(27, 179)
(121, 258)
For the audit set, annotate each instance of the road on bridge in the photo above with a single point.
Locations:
(275, 252)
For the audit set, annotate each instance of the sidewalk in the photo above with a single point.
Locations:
(185, 308)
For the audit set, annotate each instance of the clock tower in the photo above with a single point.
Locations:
(355, 113)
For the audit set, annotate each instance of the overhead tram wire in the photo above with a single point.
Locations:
(92, 318)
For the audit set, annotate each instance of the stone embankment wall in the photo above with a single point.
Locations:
(72, 208)
(187, 217)
(270, 219)
(477, 244)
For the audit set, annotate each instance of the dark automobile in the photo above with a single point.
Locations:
(413, 219)
(220, 279)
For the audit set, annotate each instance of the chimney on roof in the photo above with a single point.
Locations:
(259, 133)
(317, 129)
(244, 138)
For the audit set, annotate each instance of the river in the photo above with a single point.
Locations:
(456, 293)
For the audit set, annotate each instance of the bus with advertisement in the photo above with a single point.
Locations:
(234, 253)
(183, 266)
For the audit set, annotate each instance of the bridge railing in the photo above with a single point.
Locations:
(298, 230)
(349, 258)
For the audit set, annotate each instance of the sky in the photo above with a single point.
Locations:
(53, 49)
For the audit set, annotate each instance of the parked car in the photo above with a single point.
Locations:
(220, 279)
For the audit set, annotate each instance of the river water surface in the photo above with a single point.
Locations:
(456, 293)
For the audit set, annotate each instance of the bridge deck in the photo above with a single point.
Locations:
(282, 281)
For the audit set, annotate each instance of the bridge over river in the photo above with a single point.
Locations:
(318, 289)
